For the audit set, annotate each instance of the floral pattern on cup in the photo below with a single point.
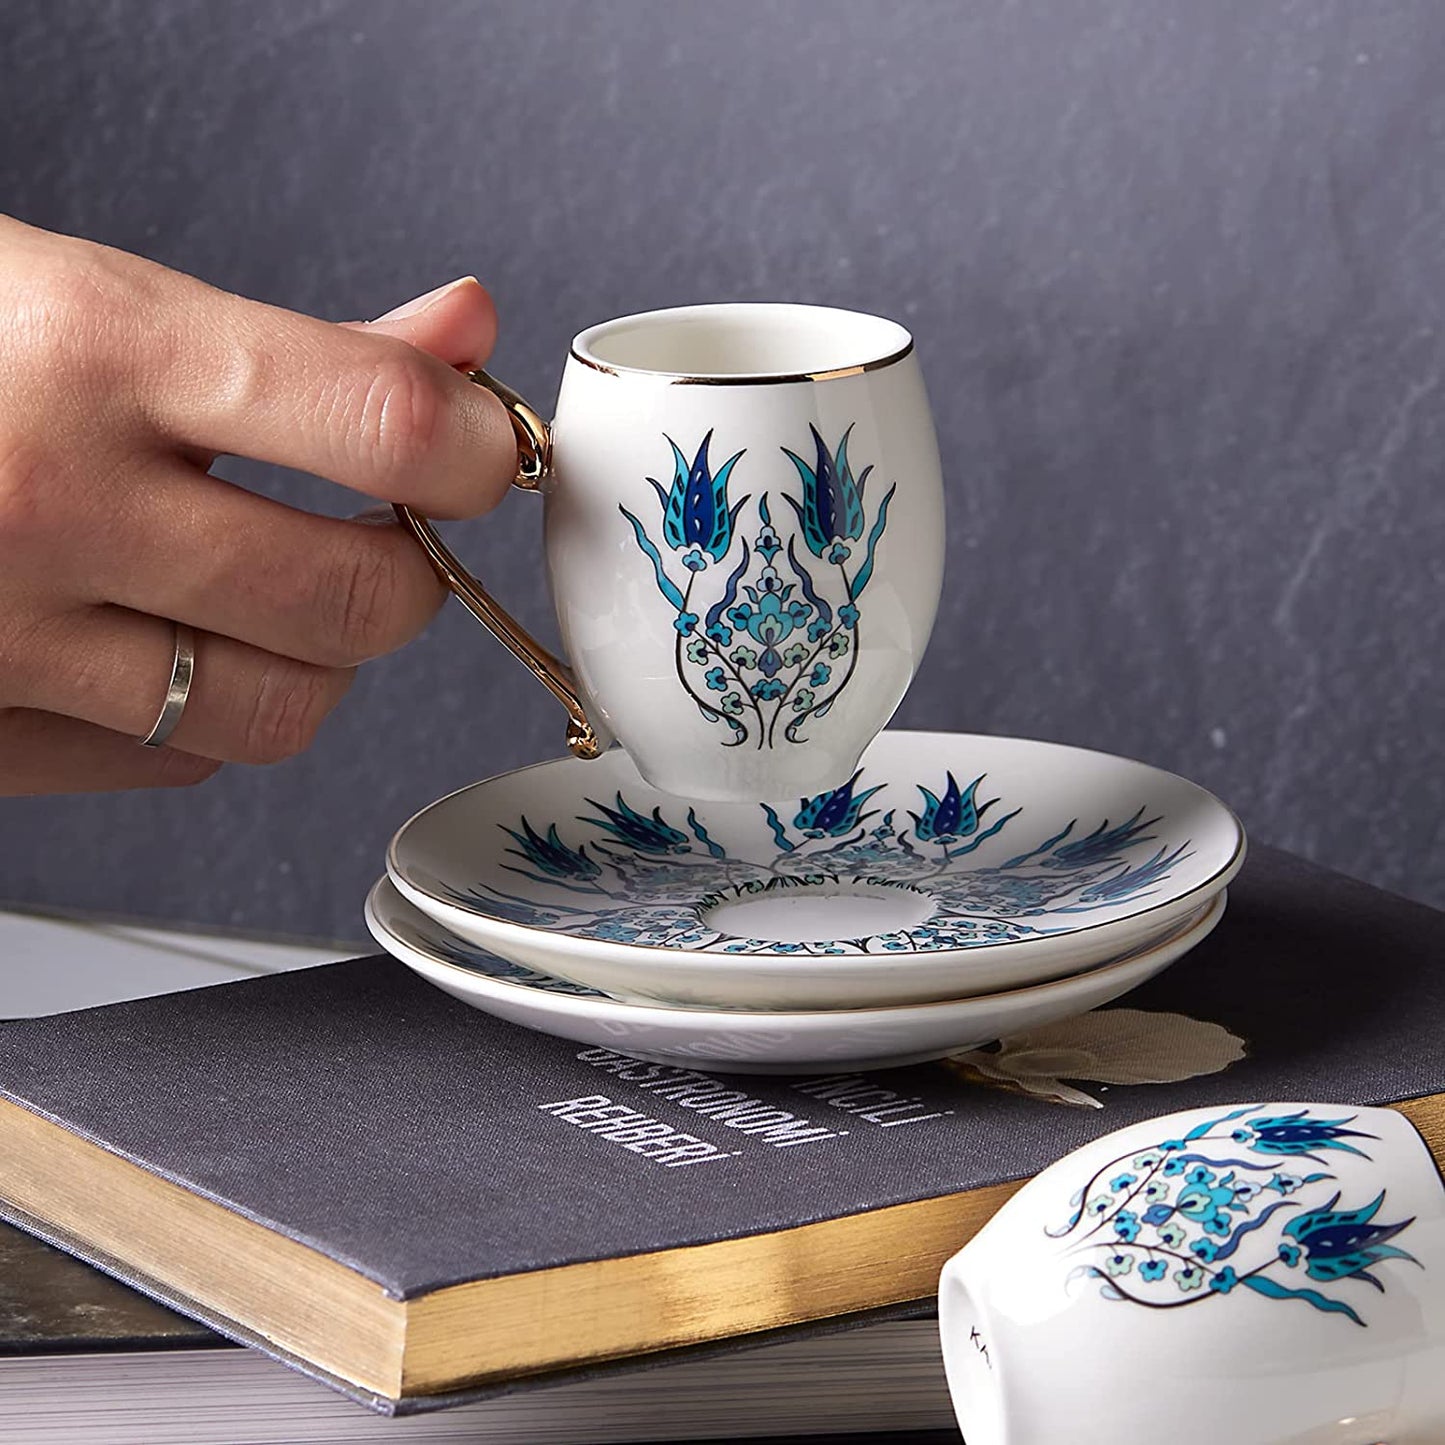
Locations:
(1242, 1201)
(767, 634)
(628, 875)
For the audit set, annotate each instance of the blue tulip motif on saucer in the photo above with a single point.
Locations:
(1243, 1202)
(767, 625)
(622, 873)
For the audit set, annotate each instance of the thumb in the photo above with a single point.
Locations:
(456, 323)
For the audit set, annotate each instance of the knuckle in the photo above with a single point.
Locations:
(246, 373)
(57, 291)
(400, 412)
(366, 591)
(63, 316)
(289, 706)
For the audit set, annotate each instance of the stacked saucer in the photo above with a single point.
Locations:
(955, 890)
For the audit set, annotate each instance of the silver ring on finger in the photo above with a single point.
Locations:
(183, 668)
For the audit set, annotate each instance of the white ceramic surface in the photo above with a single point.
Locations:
(1270, 1274)
(742, 1042)
(744, 536)
(949, 865)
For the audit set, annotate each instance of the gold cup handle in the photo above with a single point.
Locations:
(534, 456)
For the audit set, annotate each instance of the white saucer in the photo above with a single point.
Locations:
(951, 865)
(755, 1043)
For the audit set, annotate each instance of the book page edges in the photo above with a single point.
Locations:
(640, 1303)
(310, 1308)
(307, 1304)
(223, 1325)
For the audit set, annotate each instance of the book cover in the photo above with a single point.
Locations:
(477, 1203)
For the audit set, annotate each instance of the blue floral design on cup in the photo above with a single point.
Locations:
(1218, 1196)
(800, 618)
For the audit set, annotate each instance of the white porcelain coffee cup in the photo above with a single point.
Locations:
(1269, 1275)
(744, 538)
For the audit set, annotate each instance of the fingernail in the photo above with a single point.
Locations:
(376, 516)
(421, 303)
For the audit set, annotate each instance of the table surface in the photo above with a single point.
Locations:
(54, 964)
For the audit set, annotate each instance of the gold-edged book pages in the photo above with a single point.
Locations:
(316, 1310)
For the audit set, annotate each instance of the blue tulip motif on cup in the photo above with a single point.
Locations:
(764, 643)
(831, 511)
(695, 513)
(1245, 1201)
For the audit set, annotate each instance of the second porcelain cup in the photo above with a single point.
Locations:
(744, 539)
(1267, 1275)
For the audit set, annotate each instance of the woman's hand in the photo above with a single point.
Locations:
(120, 383)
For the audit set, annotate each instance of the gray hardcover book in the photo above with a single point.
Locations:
(397, 1143)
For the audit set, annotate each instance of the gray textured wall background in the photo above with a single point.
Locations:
(1175, 271)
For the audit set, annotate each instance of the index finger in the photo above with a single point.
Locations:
(364, 409)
